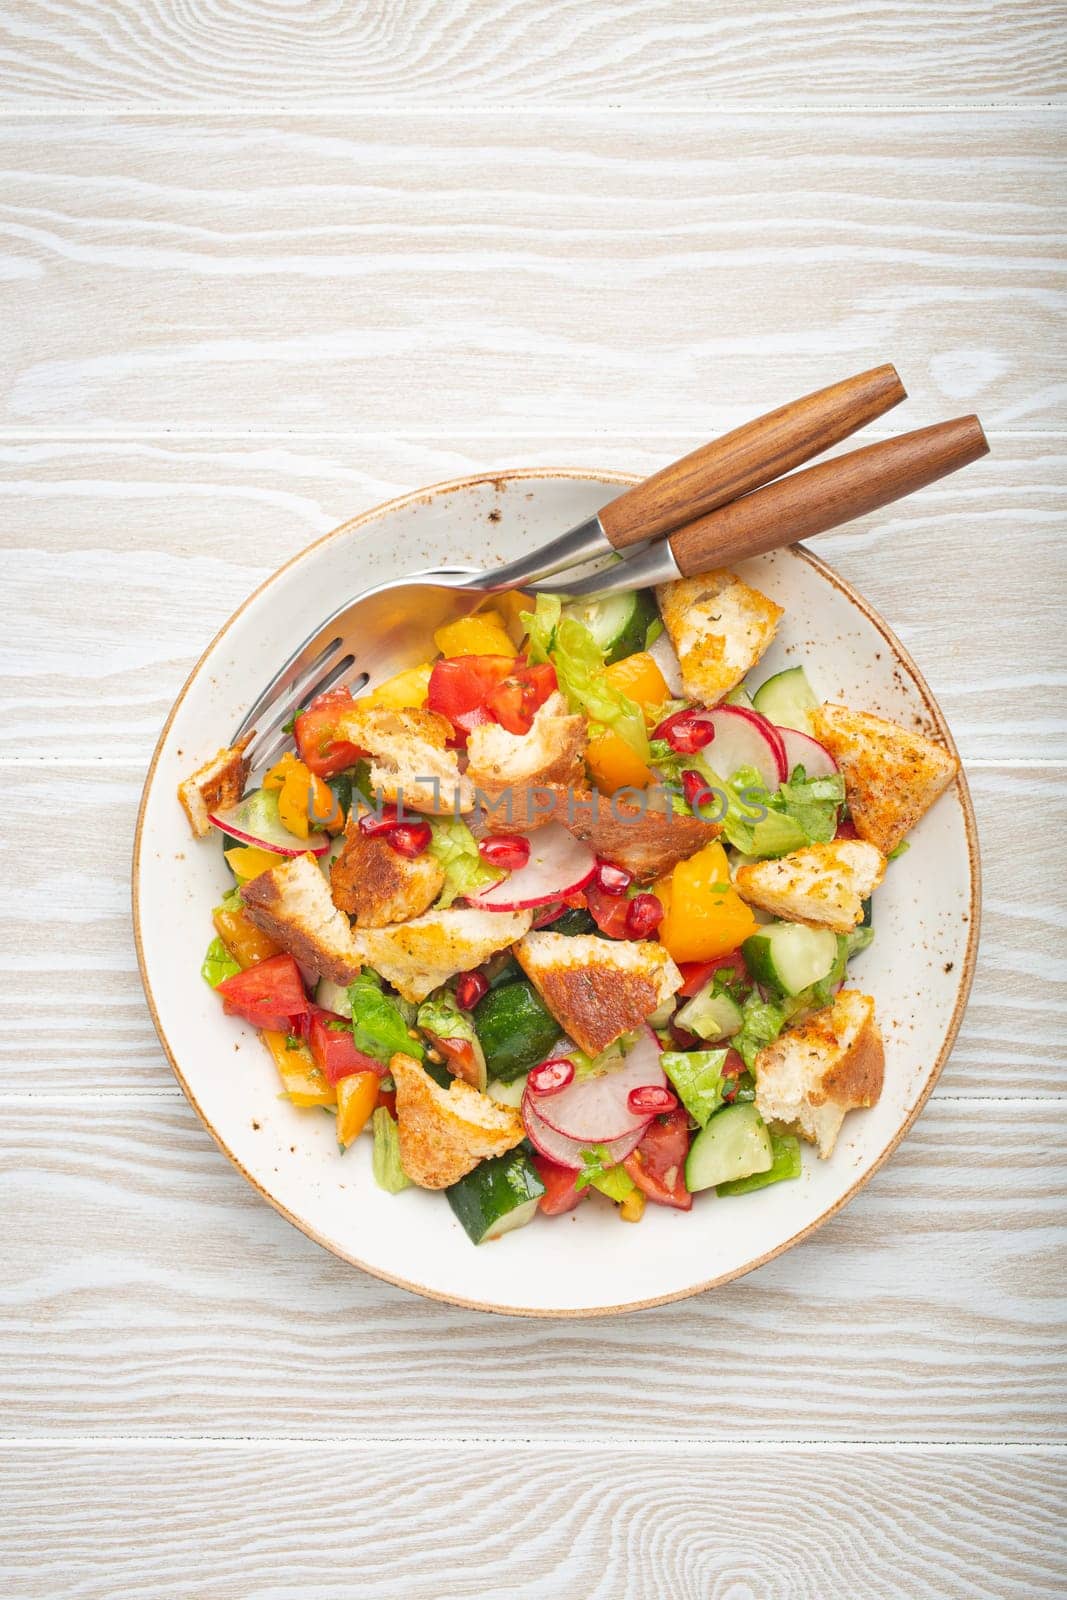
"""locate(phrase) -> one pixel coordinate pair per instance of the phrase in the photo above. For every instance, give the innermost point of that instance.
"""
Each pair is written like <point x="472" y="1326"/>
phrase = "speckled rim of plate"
<point x="518" y="475"/>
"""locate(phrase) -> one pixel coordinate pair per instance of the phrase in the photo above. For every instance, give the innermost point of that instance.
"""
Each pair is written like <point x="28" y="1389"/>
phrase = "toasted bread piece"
<point x="813" y="1075"/>
<point x="409" y="760"/>
<point x="215" y="786"/>
<point x="292" y="904"/>
<point x="508" y="768"/>
<point x="892" y="774"/>
<point x="824" y="884"/>
<point x="419" y="955"/>
<point x="598" y="989"/>
<point x="648" y="840"/>
<point x="375" y="885"/>
<point x="444" y="1133"/>
<point x="719" y="628"/>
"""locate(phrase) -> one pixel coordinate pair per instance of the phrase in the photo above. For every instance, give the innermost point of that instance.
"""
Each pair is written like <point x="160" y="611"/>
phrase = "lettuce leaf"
<point x="218" y="964"/>
<point x="579" y="664"/>
<point x="455" y="848"/>
<point x="697" y="1076"/>
<point x="379" y="1026"/>
<point x="385" y="1156"/>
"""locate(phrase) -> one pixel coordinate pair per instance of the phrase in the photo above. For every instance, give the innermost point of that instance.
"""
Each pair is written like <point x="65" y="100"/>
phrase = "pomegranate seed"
<point x="643" y="915"/>
<point x="409" y="838"/>
<point x="612" y="879"/>
<point x="652" y="1098"/>
<point x="551" y="1076"/>
<point x="686" y="731"/>
<point x="470" y="988"/>
<point x="508" y="850"/>
<point x="696" y="789"/>
<point x="372" y="824"/>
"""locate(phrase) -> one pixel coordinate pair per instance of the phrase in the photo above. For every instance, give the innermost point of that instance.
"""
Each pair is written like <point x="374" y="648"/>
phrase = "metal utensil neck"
<point x="654" y="564"/>
<point x="585" y="542"/>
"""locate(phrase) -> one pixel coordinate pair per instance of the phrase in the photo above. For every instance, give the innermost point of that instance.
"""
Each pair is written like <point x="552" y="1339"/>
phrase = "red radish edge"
<point x="801" y="750"/>
<point x="559" y="865"/>
<point x="317" y="843"/>
<point x="727" y="720"/>
<point x="568" y="1152"/>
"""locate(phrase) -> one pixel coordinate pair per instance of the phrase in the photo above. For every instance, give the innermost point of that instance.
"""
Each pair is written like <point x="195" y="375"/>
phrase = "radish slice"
<point x="745" y="739"/>
<point x="255" y="820"/>
<point x="801" y="750"/>
<point x="568" y="1152"/>
<point x="597" y="1110"/>
<point x="559" y="865"/>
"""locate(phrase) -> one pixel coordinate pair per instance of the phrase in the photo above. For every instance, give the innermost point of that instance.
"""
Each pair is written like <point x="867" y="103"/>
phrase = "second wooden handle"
<point x="750" y="455"/>
<point x="823" y="497"/>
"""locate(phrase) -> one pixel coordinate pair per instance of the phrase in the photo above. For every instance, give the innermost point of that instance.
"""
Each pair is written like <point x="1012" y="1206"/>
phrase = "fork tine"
<point x="290" y="683"/>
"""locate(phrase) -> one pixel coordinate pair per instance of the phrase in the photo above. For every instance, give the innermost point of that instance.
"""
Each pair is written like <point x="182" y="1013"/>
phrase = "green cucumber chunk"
<point x="789" y="958"/>
<point x="618" y="622"/>
<point x="787" y="700"/>
<point x="516" y="1029"/>
<point x="333" y="997"/>
<point x="785" y="1163"/>
<point x="500" y="1194"/>
<point x="712" y="1016"/>
<point x="740" y="697"/>
<point x="735" y="1144"/>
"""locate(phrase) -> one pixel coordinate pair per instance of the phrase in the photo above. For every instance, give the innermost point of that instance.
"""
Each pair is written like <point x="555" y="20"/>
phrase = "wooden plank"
<point x="665" y="53"/>
<point x="150" y="1292"/>
<point x="536" y="1521"/>
<point x="184" y="530"/>
<point x="543" y="271"/>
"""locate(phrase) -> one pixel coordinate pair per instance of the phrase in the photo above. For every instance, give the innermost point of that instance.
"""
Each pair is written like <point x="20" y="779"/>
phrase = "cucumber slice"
<point x="740" y="697"/>
<point x="507" y="1094"/>
<point x="735" y="1144"/>
<point x="618" y="622"/>
<point x="516" y="1029"/>
<point x="497" y="1196"/>
<point x="333" y="997"/>
<point x="787" y="700"/>
<point x="712" y="1016"/>
<point x="789" y="958"/>
<point x="786" y="1164"/>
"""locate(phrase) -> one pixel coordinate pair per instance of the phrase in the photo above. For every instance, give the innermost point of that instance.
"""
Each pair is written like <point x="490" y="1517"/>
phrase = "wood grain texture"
<point x="325" y="272"/>
<point x="970" y="573"/>
<point x="149" y="1291"/>
<point x="148" y="52"/>
<point x="534" y="1522"/>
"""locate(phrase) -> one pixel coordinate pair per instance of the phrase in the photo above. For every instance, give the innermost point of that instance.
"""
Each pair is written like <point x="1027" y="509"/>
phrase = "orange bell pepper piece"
<point x="357" y="1096"/>
<point x="639" y="677"/>
<point x="614" y="765"/>
<point x="302" y="795"/>
<point x="246" y="943"/>
<point x="704" y="916"/>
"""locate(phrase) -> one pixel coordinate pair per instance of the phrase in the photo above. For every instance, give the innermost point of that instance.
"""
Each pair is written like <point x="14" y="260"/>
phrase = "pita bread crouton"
<point x="418" y="956"/>
<point x="375" y="885"/>
<point x="813" y="1075"/>
<point x="597" y="989"/>
<point x="648" y="840"/>
<point x="409" y="758"/>
<point x="719" y="628"/>
<point x="892" y="774"/>
<point x="824" y="884"/>
<point x="216" y="786"/>
<point x="292" y="904"/>
<point x="445" y="1133"/>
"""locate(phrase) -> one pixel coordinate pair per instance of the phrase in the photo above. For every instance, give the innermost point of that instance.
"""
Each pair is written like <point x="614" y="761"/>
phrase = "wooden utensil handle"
<point x="823" y="497"/>
<point x="750" y="455"/>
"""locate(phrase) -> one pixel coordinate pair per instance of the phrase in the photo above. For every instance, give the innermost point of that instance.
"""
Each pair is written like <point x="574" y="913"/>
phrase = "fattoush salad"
<point x="570" y="910"/>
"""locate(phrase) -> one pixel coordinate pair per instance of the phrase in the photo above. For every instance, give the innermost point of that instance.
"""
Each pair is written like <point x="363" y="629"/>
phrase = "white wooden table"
<point x="261" y="266"/>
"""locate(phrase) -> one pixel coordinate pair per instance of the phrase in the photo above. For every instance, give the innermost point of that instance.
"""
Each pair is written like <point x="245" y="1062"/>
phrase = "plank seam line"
<point x="297" y="1443"/>
<point x="187" y="109"/>
<point x="403" y="432"/>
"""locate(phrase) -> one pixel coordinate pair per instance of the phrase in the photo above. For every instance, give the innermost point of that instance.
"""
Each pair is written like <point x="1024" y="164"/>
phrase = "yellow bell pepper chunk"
<point x="357" y="1096"/>
<point x="405" y="692"/>
<point x="483" y="635"/>
<point x="511" y="606"/>
<point x="632" y="1208"/>
<point x="247" y="944"/>
<point x="704" y="916"/>
<point x="639" y="677"/>
<point x="248" y="861"/>
<point x="275" y="778"/>
<point x="614" y="765"/>
<point x="300" y="795"/>
<point x="304" y="1082"/>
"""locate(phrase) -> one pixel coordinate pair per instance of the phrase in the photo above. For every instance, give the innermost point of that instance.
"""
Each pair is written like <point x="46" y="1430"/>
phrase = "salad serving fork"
<point x="733" y="498"/>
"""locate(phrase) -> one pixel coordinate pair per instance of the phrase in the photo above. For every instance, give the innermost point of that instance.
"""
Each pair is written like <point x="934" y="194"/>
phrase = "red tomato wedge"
<point x="560" y="1194"/>
<point x="460" y="686"/>
<point x="330" y="1041"/>
<point x="515" y="701"/>
<point x="610" y="912"/>
<point x="697" y="973"/>
<point x="268" y="995"/>
<point x="657" y="1166"/>
<point x="314" y="732"/>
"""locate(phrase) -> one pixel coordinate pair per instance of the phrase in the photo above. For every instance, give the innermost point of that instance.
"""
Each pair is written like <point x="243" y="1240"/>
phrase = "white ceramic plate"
<point x="918" y="969"/>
